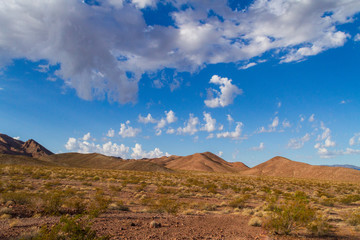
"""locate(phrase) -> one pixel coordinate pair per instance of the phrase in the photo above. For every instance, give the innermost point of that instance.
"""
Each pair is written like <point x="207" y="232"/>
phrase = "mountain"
<point x="205" y="162"/>
<point x="30" y="148"/>
<point x="283" y="167"/>
<point x="345" y="166"/>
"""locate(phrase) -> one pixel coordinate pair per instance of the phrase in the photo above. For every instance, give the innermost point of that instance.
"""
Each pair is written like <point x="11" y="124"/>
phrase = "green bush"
<point x="354" y="218"/>
<point x="288" y="216"/>
<point x="69" y="228"/>
<point x="239" y="202"/>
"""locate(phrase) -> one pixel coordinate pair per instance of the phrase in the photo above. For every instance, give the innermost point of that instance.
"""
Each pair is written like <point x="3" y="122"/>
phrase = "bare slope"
<point x="283" y="167"/>
<point x="205" y="162"/>
<point x="96" y="160"/>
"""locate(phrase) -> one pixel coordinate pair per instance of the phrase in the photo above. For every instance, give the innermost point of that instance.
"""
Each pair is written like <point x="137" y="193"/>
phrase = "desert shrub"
<point x="119" y="205"/>
<point x="21" y="198"/>
<point x="319" y="226"/>
<point x="239" y="202"/>
<point x="255" y="222"/>
<point x="52" y="203"/>
<point x="329" y="202"/>
<point x="115" y="188"/>
<point x="98" y="205"/>
<point x="165" y="205"/>
<point x="289" y="215"/>
<point x="349" y="199"/>
<point x="76" y="205"/>
<point x="162" y="190"/>
<point x="353" y="218"/>
<point x="69" y="228"/>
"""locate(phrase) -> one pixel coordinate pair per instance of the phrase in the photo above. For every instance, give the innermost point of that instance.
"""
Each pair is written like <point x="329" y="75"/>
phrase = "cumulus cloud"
<point x="355" y="140"/>
<point x="138" y="152"/>
<point x="258" y="148"/>
<point x="98" y="60"/>
<point x="126" y="131"/>
<point x="147" y="119"/>
<point x="112" y="149"/>
<point x="297" y="143"/>
<point x="87" y="137"/>
<point x="325" y="153"/>
<point x="357" y="37"/>
<point x="233" y="135"/>
<point x="324" y="141"/>
<point x="227" y="93"/>
<point x="110" y="133"/>
<point x="16" y="138"/>
<point x="170" y="116"/>
<point x="271" y="128"/>
<point x="190" y="126"/>
<point x="210" y="123"/>
<point x="220" y="153"/>
<point x="109" y="148"/>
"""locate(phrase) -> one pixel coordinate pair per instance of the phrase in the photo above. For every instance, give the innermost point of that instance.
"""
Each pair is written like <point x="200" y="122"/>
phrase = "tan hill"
<point x="96" y="160"/>
<point x="205" y="162"/>
<point x="31" y="148"/>
<point x="283" y="167"/>
<point x="9" y="159"/>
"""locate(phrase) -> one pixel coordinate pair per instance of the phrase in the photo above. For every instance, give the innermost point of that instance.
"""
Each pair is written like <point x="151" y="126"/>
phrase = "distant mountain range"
<point x="345" y="166"/>
<point x="14" y="151"/>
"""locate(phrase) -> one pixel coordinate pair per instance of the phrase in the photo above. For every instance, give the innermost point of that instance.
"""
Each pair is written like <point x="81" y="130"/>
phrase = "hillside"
<point x="283" y="167"/>
<point x="205" y="162"/>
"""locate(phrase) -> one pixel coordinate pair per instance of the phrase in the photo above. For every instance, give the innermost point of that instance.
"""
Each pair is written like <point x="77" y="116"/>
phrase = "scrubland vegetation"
<point x="75" y="197"/>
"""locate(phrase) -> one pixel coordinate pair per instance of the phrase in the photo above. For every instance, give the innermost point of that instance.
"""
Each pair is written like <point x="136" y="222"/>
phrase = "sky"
<point x="246" y="80"/>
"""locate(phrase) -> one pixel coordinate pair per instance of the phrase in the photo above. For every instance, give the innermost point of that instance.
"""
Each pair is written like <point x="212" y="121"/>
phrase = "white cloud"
<point x="312" y="118"/>
<point x="249" y="65"/>
<point x="355" y="140"/>
<point x="144" y="3"/>
<point x="138" y="152"/>
<point x="16" y="138"/>
<point x="190" y="126"/>
<point x="324" y="141"/>
<point x="170" y="116"/>
<point x="357" y="37"/>
<point x="158" y="132"/>
<point x="302" y="118"/>
<point x="227" y="93"/>
<point x="210" y="136"/>
<point x="210" y="123"/>
<point x="286" y="124"/>
<point x="170" y="131"/>
<point x="229" y="118"/>
<point x="1" y="88"/>
<point x="233" y="135"/>
<point x="95" y="55"/>
<point x="221" y="127"/>
<point x="112" y="149"/>
<point x="87" y="137"/>
<point x="258" y="148"/>
<point x="325" y="153"/>
<point x="128" y="131"/>
<point x="297" y="143"/>
<point x="220" y="153"/>
<point x="275" y="122"/>
<point x="110" y="133"/>
<point x="147" y="119"/>
<point x="162" y="123"/>
<point x="279" y="104"/>
<point x="272" y="127"/>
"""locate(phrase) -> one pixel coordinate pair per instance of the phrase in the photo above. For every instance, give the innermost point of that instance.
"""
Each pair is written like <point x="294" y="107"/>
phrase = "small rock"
<point x="154" y="224"/>
<point x="132" y="224"/>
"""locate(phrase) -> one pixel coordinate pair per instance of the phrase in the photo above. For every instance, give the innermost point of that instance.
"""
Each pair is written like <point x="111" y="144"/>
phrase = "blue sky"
<point x="247" y="80"/>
